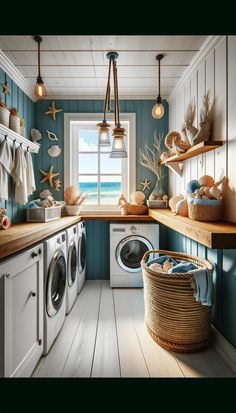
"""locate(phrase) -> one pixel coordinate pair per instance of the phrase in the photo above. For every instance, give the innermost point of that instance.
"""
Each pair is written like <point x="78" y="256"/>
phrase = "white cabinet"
<point x="21" y="313"/>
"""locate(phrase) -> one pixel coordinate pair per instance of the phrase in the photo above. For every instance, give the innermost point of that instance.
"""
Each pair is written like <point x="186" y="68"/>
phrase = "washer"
<point x="128" y="243"/>
<point x="72" y="267"/>
<point x="54" y="287"/>
<point x="81" y="254"/>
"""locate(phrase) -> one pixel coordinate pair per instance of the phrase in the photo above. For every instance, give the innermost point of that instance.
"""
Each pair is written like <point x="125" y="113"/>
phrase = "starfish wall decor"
<point x="5" y="88"/>
<point x="48" y="176"/>
<point x="52" y="110"/>
<point x="145" y="184"/>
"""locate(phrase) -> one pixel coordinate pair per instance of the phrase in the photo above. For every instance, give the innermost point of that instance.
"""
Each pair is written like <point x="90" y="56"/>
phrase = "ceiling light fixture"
<point x="39" y="90"/>
<point x="158" y="109"/>
<point x="118" y="133"/>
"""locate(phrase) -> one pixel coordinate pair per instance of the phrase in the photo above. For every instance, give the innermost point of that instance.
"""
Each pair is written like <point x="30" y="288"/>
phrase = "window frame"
<point x="70" y="172"/>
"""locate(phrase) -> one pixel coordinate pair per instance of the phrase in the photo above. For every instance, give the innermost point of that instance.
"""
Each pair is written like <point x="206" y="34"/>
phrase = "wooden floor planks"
<point x="104" y="336"/>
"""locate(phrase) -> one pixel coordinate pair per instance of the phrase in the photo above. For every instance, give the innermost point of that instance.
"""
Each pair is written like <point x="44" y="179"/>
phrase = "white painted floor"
<point x="104" y="336"/>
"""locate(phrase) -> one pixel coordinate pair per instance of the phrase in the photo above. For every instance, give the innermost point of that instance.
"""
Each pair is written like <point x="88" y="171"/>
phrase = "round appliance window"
<point x="56" y="285"/>
<point x="72" y="264"/>
<point x="130" y="251"/>
<point x="82" y="252"/>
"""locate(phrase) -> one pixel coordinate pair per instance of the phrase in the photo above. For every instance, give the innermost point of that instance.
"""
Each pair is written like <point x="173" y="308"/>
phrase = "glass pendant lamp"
<point x="39" y="90"/>
<point x="158" y="109"/>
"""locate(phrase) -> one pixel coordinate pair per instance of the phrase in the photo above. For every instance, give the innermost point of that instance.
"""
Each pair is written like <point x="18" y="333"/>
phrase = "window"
<point x="89" y="167"/>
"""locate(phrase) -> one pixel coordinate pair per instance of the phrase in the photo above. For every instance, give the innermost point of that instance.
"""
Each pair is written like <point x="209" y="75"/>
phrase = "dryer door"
<point x="72" y="263"/>
<point x="56" y="283"/>
<point x="82" y="251"/>
<point x="130" y="250"/>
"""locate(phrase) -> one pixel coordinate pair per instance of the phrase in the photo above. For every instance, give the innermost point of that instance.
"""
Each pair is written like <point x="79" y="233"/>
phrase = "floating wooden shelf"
<point x="194" y="151"/>
<point x="4" y="131"/>
<point x="216" y="235"/>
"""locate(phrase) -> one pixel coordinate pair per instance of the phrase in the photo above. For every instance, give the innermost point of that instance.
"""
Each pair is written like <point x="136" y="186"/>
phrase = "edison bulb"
<point x="158" y="111"/>
<point x="40" y="90"/>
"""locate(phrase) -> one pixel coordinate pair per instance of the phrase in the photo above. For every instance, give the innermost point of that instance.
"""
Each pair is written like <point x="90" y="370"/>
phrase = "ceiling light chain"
<point x="39" y="90"/>
<point x="158" y="109"/>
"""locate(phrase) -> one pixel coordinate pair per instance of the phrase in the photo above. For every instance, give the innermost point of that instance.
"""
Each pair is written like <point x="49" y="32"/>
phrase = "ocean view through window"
<point x="91" y="170"/>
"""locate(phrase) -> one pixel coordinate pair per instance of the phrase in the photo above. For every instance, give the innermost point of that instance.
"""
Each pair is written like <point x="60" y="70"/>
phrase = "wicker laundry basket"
<point x="173" y="317"/>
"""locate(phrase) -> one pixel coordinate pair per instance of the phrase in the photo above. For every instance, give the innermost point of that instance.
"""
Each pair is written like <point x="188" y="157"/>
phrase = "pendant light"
<point x="118" y="133"/>
<point x="104" y="132"/>
<point x="39" y="90"/>
<point x="158" y="109"/>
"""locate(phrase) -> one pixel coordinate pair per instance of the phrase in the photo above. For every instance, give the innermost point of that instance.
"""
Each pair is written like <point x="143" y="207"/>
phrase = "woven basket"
<point x="200" y="210"/>
<point x="173" y="317"/>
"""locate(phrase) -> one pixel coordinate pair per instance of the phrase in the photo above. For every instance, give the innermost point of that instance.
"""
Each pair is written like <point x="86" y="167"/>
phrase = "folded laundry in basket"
<point x="183" y="266"/>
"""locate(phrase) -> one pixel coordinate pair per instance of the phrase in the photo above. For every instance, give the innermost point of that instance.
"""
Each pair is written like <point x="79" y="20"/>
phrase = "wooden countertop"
<point x="21" y="236"/>
<point x="216" y="235"/>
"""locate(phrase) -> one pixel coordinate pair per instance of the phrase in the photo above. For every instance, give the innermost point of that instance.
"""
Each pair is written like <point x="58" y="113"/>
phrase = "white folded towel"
<point x="6" y="166"/>
<point x="29" y="173"/>
<point x="21" y="193"/>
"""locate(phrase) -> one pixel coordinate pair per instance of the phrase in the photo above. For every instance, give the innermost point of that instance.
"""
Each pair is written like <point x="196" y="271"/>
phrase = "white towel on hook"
<point x="29" y="173"/>
<point x="20" y="177"/>
<point x="5" y="168"/>
<point x="13" y="160"/>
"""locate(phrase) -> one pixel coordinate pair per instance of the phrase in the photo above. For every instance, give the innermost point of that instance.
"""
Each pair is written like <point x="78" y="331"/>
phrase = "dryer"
<point x="72" y="266"/>
<point x="128" y="243"/>
<point x="81" y="254"/>
<point x="54" y="287"/>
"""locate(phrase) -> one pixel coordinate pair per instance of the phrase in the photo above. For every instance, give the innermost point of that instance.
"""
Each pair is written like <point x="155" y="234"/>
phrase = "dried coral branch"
<point x="150" y="158"/>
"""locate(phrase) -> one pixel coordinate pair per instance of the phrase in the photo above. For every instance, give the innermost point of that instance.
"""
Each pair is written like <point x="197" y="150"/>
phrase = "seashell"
<point x="138" y="197"/>
<point x="204" y="197"/>
<point x="35" y="135"/>
<point x="221" y="181"/>
<point x="156" y="267"/>
<point x="181" y="146"/>
<point x="171" y="137"/>
<point x="173" y="201"/>
<point x="207" y="193"/>
<point x="193" y="185"/>
<point x="182" y="208"/>
<point x="52" y="136"/>
<point x="54" y="151"/>
<point x="152" y="197"/>
<point x="206" y="180"/>
<point x="165" y="155"/>
<point x="215" y="192"/>
<point x="165" y="197"/>
<point x="45" y="193"/>
<point x="199" y="191"/>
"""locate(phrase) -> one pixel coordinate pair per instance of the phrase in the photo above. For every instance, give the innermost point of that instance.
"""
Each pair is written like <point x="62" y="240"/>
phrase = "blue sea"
<point x="110" y="192"/>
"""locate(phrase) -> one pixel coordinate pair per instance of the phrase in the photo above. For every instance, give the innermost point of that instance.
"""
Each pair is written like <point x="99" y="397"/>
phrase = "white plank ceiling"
<point x="76" y="66"/>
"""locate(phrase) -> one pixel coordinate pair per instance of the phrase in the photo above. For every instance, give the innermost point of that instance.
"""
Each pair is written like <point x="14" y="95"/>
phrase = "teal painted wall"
<point x="26" y="108"/>
<point x="224" y="308"/>
<point x="146" y="125"/>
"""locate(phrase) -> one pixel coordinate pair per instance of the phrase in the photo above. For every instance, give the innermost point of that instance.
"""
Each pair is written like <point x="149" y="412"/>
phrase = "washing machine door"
<point x="130" y="250"/>
<point x="56" y="283"/>
<point x="72" y="263"/>
<point x="82" y="251"/>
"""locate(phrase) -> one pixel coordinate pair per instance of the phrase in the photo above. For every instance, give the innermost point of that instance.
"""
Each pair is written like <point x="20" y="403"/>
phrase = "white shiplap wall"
<point x="215" y="73"/>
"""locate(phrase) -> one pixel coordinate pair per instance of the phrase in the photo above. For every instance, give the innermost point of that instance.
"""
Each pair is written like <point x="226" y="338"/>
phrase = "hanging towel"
<point x="5" y="168"/>
<point x="13" y="161"/>
<point x="20" y="177"/>
<point x="29" y="173"/>
<point x="203" y="282"/>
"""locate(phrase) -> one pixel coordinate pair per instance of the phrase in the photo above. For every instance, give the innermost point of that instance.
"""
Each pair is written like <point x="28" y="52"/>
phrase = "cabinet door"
<point x="23" y="288"/>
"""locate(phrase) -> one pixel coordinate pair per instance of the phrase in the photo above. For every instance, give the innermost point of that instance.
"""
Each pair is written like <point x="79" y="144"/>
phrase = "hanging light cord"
<point x="159" y="78"/>
<point x="39" y="74"/>
<point x="117" y="114"/>
<point x="107" y="105"/>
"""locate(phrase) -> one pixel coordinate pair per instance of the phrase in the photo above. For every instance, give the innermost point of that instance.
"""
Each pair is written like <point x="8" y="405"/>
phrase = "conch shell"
<point x="173" y="141"/>
<point x="173" y="201"/>
<point x="182" y="208"/>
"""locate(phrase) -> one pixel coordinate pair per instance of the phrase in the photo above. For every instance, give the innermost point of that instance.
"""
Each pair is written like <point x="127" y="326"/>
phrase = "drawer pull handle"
<point x="34" y="254"/>
<point x="39" y="251"/>
<point x="33" y="294"/>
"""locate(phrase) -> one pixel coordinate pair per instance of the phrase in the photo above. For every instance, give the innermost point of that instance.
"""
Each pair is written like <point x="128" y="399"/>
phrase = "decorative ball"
<point x="193" y="185"/>
<point x="138" y="197"/>
<point x="206" y="180"/>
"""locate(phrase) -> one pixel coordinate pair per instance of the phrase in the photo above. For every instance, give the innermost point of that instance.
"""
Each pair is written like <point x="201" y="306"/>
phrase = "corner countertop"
<point x="20" y="236"/>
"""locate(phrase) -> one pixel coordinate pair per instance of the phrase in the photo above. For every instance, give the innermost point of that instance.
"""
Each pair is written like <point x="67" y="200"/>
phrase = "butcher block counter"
<point x="21" y="236"/>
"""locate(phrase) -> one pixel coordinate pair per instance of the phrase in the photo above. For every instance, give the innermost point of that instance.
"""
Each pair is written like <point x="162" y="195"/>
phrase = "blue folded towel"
<point x="162" y="259"/>
<point x="183" y="267"/>
<point x="203" y="281"/>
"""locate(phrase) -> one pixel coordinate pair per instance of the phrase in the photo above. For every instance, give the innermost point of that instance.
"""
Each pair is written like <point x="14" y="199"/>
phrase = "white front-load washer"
<point x="81" y="254"/>
<point x="72" y="266"/>
<point x="54" y="287"/>
<point x="128" y="243"/>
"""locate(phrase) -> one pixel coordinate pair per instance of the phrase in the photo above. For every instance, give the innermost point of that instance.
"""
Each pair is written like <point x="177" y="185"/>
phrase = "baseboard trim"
<point x="224" y="349"/>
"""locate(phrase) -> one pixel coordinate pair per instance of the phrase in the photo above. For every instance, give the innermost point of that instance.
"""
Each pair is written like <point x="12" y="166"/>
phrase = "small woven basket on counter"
<point x="205" y="210"/>
<point x="173" y="317"/>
